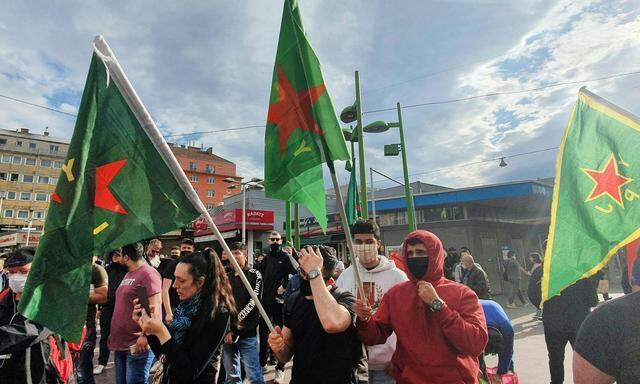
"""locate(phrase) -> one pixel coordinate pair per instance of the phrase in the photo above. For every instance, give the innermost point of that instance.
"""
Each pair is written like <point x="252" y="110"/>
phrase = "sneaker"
<point x="279" y="377"/>
<point x="98" y="369"/>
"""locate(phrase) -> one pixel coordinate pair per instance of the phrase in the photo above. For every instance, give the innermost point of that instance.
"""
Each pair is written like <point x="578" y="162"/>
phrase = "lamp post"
<point x="253" y="183"/>
<point x="392" y="150"/>
<point x="348" y="115"/>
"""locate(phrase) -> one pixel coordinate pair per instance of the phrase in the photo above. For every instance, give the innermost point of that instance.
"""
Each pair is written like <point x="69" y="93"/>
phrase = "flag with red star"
<point x="115" y="188"/>
<point x="594" y="211"/>
<point x="302" y="129"/>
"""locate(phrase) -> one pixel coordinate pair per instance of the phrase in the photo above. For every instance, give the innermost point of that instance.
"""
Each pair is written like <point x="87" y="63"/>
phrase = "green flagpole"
<point x="296" y="217"/>
<point x="287" y="225"/>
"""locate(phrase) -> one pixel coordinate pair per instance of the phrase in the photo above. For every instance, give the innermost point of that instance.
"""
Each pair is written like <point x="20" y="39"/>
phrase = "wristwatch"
<point x="437" y="304"/>
<point x="314" y="273"/>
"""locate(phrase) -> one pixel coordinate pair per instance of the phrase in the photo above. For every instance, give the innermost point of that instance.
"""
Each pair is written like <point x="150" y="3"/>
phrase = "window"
<point x="211" y="180"/>
<point x="54" y="180"/>
<point x="17" y="160"/>
<point x="27" y="178"/>
<point x="26" y="196"/>
<point x="43" y="179"/>
<point x="41" y="196"/>
<point x="8" y="213"/>
<point x="211" y="193"/>
<point x="32" y="147"/>
<point x="23" y="214"/>
<point x="6" y="158"/>
<point x="210" y="169"/>
<point x="194" y="178"/>
<point x="19" y="143"/>
<point x="30" y="161"/>
<point x="3" y="175"/>
<point x="54" y="149"/>
<point x="45" y="163"/>
<point x="210" y="206"/>
<point x="3" y="141"/>
<point x="57" y="164"/>
<point x="193" y="167"/>
<point x="11" y="195"/>
<point x="39" y="215"/>
<point x="14" y="177"/>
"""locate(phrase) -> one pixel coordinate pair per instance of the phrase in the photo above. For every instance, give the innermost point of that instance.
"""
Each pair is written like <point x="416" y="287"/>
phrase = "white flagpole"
<point x="117" y="75"/>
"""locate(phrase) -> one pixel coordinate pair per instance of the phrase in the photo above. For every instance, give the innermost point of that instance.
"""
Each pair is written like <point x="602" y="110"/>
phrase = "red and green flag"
<point x="596" y="199"/>
<point x="118" y="186"/>
<point x="302" y="129"/>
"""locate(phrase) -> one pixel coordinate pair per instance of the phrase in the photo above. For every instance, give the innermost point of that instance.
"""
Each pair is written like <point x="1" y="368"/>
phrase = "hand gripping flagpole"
<point x="347" y="232"/>
<point x="117" y="75"/>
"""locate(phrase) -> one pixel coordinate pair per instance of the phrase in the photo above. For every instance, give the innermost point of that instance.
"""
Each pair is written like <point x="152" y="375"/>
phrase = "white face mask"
<point x="155" y="262"/>
<point x="367" y="253"/>
<point x="16" y="282"/>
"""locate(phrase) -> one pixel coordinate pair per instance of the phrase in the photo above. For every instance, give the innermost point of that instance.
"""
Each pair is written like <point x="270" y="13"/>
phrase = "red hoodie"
<point x="433" y="347"/>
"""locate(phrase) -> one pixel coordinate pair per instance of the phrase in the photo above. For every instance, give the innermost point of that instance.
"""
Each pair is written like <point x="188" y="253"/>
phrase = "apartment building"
<point x="30" y="164"/>
<point x="207" y="173"/>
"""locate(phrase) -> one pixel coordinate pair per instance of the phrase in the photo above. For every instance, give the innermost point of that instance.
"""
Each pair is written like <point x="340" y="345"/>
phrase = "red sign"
<point x="256" y="220"/>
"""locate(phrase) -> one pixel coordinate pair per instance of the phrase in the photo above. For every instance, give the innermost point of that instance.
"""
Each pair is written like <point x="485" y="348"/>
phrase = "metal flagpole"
<point x="117" y="75"/>
<point x="347" y="232"/>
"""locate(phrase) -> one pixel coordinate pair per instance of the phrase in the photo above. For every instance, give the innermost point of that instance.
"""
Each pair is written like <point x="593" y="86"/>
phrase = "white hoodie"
<point x="376" y="282"/>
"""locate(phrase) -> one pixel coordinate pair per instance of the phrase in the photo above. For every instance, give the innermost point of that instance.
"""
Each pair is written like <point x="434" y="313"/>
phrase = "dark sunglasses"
<point x="274" y="239"/>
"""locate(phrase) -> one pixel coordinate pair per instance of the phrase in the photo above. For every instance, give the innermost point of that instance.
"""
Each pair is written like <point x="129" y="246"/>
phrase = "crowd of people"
<point x="189" y="318"/>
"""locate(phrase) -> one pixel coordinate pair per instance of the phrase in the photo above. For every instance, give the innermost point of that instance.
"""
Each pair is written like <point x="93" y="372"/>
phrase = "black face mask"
<point x="418" y="266"/>
<point x="305" y="287"/>
<point x="275" y="247"/>
<point x="227" y="265"/>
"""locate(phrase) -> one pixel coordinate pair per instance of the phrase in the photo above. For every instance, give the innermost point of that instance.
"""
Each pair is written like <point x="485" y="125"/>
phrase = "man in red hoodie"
<point x="439" y="323"/>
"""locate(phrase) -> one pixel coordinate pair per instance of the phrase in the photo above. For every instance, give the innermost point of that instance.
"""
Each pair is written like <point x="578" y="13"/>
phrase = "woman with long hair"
<point x="200" y="321"/>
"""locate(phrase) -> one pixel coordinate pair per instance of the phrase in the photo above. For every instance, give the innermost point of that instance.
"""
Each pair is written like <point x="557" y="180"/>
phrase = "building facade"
<point x="30" y="165"/>
<point x="207" y="173"/>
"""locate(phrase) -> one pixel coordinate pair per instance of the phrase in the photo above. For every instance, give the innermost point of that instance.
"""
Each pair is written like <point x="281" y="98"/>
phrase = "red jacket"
<point x="433" y="347"/>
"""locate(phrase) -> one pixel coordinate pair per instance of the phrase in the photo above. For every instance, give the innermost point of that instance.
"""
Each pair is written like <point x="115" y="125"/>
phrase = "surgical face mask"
<point x="16" y="282"/>
<point x="418" y="266"/>
<point x="155" y="262"/>
<point x="367" y="253"/>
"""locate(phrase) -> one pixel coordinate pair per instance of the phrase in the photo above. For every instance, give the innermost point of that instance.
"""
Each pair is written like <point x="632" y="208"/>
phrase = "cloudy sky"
<point x="204" y="65"/>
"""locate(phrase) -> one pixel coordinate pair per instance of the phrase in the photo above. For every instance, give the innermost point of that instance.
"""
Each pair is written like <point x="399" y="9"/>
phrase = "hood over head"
<point x="435" y="252"/>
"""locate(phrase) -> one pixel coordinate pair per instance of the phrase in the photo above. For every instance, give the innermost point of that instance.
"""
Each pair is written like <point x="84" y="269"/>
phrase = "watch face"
<point x="313" y="274"/>
<point x="437" y="304"/>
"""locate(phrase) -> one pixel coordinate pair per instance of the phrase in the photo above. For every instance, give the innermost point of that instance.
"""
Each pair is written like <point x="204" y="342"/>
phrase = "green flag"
<point x="353" y="200"/>
<point x="116" y="187"/>
<point x="302" y="129"/>
<point x="596" y="199"/>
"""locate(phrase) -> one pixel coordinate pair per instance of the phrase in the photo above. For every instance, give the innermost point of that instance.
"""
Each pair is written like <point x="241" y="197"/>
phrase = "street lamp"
<point x="349" y="115"/>
<point x="30" y="221"/>
<point x="392" y="150"/>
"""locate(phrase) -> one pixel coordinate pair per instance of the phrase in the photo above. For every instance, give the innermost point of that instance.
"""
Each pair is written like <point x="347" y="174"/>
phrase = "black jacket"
<point x="477" y="280"/>
<point x="275" y="268"/>
<point x="192" y="361"/>
<point x="115" y="274"/>
<point x="567" y="311"/>
<point x="534" y="290"/>
<point x="246" y="323"/>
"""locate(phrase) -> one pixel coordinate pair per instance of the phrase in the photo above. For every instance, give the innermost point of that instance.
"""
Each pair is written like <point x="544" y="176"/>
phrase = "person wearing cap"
<point x="318" y="327"/>
<point x="607" y="348"/>
<point x="22" y="340"/>
<point x="440" y="326"/>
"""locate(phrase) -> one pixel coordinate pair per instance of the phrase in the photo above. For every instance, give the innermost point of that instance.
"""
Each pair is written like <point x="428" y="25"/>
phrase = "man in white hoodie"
<point x="378" y="275"/>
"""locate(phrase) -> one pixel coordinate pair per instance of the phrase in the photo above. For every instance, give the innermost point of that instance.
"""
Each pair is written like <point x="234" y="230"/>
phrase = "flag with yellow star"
<point x="596" y="199"/>
<point x="115" y="188"/>
<point x="302" y="129"/>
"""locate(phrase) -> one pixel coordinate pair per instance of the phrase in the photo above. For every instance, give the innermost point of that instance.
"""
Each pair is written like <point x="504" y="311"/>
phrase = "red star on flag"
<point x="293" y="109"/>
<point x="607" y="182"/>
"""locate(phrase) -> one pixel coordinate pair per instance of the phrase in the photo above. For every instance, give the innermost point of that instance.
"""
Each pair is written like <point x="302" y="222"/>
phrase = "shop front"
<point x="12" y="241"/>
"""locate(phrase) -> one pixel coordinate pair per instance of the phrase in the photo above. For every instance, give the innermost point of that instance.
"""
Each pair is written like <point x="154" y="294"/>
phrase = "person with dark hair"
<point x="175" y="252"/>
<point x="378" y="274"/>
<point x="169" y="296"/>
<point x="512" y="271"/>
<point x="189" y="344"/>
<point x="451" y="260"/>
<point x="241" y="341"/>
<point x="534" y="290"/>
<point x="318" y="325"/>
<point x="498" y="320"/>
<point x="440" y="325"/>
<point x="275" y="269"/>
<point x="25" y="346"/>
<point x="132" y="356"/>
<point x="115" y="273"/>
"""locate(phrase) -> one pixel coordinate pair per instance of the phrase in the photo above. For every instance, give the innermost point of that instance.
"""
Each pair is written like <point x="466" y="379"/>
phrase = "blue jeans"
<point x="380" y="377"/>
<point x="133" y="369"/>
<point x="247" y="351"/>
<point x="84" y="366"/>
